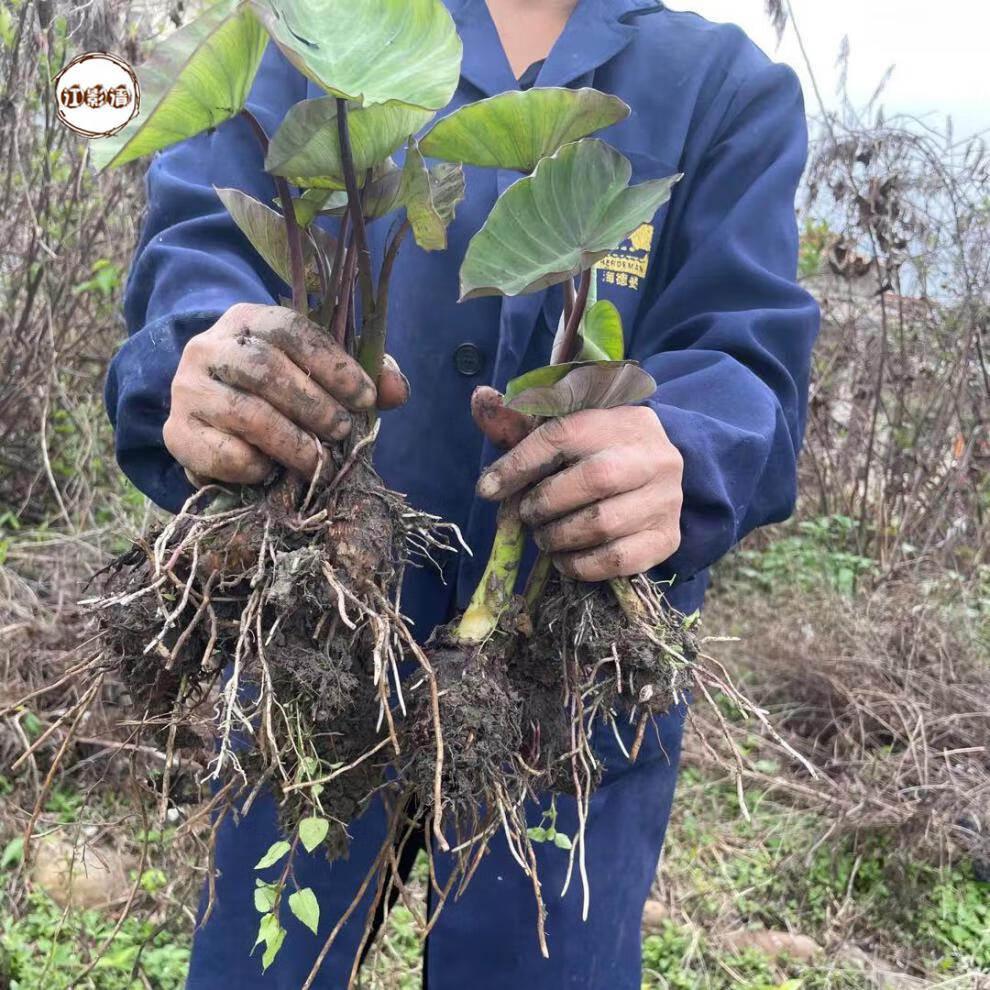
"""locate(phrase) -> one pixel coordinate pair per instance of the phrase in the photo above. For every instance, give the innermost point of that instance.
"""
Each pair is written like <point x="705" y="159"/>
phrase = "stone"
<point x="655" y="917"/>
<point x="87" y="876"/>
<point x="800" y="948"/>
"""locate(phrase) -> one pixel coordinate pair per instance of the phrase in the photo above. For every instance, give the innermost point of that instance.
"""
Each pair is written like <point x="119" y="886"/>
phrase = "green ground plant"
<point x="49" y="948"/>
<point x="807" y="554"/>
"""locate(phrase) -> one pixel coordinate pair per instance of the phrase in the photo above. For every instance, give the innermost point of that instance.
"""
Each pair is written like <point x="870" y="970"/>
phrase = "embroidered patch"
<point x="628" y="265"/>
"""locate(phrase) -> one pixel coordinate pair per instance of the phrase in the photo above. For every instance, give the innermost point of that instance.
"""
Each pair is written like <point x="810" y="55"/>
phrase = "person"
<point x="712" y="309"/>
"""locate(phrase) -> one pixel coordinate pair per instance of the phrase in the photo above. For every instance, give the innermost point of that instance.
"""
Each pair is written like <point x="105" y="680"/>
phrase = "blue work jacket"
<point x="707" y="290"/>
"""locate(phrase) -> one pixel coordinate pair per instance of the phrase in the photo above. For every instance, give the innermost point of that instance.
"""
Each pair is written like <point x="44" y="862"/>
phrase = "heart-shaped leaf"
<point x="515" y="130"/>
<point x="268" y="929"/>
<point x="272" y="948"/>
<point x="312" y="831"/>
<point x="304" y="905"/>
<point x="573" y="210"/>
<point x="277" y="851"/>
<point x="264" y="896"/>
<point x="600" y="385"/>
<point x="306" y="148"/>
<point x="431" y="198"/>
<point x="196" y="79"/>
<point x="374" y="51"/>
<point x="265" y="229"/>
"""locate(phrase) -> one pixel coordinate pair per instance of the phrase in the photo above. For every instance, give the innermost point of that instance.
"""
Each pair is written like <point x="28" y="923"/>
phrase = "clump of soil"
<point x="289" y="592"/>
<point x="638" y="663"/>
<point x="480" y="721"/>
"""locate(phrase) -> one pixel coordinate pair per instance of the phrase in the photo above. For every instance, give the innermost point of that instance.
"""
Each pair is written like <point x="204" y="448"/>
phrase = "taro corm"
<point x="271" y="614"/>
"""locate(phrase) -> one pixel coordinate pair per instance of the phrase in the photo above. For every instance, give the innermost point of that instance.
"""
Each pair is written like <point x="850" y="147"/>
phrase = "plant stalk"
<point x="334" y="295"/>
<point x="297" y="262"/>
<point x="568" y="299"/>
<point x="628" y="600"/>
<point x="357" y="212"/>
<point x="537" y="580"/>
<point x="497" y="586"/>
<point x="568" y="345"/>
<point x="344" y="296"/>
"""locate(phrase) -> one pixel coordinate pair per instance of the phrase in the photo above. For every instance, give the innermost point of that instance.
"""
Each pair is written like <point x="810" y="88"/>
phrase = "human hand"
<point x="607" y="495"/>
<point x="257" y="386"/>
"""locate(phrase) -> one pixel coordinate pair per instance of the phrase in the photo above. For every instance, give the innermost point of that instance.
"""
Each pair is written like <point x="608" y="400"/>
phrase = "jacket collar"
<point x="596" y="32"/>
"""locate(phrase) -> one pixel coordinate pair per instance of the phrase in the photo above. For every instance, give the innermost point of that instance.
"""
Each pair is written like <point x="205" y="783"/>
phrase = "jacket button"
<point x="469" y="360"/>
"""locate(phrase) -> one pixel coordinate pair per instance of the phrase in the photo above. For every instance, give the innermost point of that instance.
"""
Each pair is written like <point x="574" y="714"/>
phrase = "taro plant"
<point x="292" y="586"/>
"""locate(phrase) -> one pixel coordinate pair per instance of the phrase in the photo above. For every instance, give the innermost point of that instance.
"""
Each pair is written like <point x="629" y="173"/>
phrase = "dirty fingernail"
<point x="490" y="484"/>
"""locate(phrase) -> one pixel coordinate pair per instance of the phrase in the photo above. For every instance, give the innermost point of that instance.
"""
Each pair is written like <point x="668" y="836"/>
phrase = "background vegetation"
<point x="864" y="624"/>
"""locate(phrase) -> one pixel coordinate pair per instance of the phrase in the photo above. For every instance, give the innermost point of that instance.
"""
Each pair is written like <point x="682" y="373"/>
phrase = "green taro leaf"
<point x="304" y="905"/>
<point x="312" y="831"/>
<point x="370" y="51"/>
<point x="380" y="196"/>
<point x="277" y="851"/>
<point x="431" y="198"/>
<point x="599" y="337"/>
<point x="313" y="203"/>
<point x="599" y="385"/>
<point x="548" y="375"/>
<point x="601" y="332"/>
<point x="576" y="208"/>
<point x="306" y="148"/>
<point x="447" y="182"/>
<point x="515" y="130"/>
<point x="196" y="79"/>
<point x="265" y="229"/>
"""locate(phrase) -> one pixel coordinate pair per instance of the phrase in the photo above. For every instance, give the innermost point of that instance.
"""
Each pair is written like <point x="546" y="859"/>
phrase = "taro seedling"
<point x="286" y="594"/>
<point x="514" y="706"/>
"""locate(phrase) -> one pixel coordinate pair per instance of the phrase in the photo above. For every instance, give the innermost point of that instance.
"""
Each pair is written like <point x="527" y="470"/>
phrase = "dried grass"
<point x="888" y="695"/>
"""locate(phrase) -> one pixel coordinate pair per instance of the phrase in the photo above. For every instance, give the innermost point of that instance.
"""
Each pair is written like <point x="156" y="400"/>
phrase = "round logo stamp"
<point x="97" y="94"/>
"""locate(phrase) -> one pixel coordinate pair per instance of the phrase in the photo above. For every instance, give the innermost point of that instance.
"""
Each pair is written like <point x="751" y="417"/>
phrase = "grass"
<point x="781" y="871"/>
<point x="49" y="950"/>
<point x="721" y="873"/>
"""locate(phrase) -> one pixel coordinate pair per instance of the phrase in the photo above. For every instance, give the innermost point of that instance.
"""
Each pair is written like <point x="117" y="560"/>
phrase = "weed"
<point x="817" y="551"/>
<point x="47" y="950"/>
